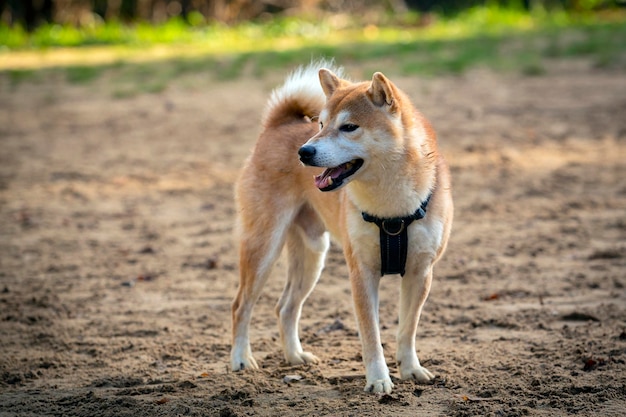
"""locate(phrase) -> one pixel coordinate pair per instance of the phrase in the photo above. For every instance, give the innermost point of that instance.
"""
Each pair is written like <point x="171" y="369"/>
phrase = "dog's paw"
<point x="417" y="373"/>
<point x="240" y="363"/>
<point x="380" y="385"/>
<point x="302" y="358"/>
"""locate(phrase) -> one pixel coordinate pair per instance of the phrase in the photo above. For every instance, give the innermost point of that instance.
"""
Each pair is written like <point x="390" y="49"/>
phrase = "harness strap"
<point x="394" y="239"/>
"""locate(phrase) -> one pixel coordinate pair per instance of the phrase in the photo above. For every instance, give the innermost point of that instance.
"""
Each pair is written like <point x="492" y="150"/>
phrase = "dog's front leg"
<point x="414" y="291"/>
<point x="365" y="294"/>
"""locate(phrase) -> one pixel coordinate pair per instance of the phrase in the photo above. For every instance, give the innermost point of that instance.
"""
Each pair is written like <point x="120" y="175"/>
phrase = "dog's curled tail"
<point x="300" y="96"/>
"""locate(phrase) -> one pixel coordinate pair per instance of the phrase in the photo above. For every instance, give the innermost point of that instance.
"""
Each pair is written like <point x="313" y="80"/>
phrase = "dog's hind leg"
<point x="262" y="238"/>
<point x="307" y="244"/>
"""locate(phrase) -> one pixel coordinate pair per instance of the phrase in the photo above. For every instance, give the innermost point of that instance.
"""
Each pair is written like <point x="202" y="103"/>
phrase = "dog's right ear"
<point x="329" y="81"/>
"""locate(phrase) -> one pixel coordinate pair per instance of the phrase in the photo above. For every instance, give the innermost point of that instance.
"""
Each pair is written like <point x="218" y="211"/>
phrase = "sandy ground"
<point x="118" y="264"/>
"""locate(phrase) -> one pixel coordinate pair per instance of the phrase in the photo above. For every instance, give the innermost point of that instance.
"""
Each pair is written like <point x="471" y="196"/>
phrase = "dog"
<point x="357" y="161"/>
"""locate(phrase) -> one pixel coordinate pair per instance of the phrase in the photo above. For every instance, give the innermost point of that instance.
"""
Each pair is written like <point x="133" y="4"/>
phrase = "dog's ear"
<point x="381" y="92"/>
<point x="329" y="81"/>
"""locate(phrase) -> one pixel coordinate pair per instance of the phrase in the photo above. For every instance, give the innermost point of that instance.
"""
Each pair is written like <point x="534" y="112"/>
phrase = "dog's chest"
<point x="424" y="237"/>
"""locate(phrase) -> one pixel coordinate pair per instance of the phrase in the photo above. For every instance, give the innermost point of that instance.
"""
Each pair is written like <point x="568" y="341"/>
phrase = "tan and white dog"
<point x="378" y="155"/>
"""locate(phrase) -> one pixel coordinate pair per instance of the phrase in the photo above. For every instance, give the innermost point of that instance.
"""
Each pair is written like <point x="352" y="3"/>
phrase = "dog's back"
<point x="273" y="171"/>
<point x="271" y="196"/>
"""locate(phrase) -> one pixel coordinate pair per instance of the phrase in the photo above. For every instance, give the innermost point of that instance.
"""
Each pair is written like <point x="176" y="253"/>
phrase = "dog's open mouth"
<point x="333" y="178"/>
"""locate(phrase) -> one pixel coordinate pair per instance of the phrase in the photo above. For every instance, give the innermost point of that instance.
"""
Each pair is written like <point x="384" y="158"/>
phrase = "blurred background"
<point x="244" y="37"/>
<point x="32" y="13"/>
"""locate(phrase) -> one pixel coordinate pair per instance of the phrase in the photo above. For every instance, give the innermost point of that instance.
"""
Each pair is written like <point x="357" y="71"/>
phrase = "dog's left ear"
<point x="381" y="92"/>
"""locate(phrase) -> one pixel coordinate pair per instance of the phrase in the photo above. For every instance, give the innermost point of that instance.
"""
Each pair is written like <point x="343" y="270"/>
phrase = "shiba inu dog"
<point x="359" y="162"/>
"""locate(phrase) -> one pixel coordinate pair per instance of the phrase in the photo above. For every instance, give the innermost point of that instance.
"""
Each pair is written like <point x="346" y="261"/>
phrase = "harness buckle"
<point x="397" y="224"/>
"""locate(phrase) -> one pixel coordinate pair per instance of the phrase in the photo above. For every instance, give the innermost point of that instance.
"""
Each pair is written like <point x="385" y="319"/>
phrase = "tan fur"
<point x="279" y="204"/>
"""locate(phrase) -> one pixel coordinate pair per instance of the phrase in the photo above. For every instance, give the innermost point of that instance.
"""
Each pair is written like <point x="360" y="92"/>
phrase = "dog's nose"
<point x="307" y="152"/>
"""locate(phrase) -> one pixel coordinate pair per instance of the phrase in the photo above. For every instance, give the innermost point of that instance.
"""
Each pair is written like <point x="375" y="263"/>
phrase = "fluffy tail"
<point x="300" y="96"/>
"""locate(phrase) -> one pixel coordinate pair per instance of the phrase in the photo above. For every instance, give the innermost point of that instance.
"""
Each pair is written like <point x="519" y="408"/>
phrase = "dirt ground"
<point x="118" y="264"/>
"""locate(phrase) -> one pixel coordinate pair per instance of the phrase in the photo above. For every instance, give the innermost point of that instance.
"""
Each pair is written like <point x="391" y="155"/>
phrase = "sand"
<point x="118" y="263"/>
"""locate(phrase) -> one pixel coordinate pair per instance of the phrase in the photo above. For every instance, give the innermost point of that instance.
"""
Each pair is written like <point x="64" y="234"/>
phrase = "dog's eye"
<point x="348" y="127"/>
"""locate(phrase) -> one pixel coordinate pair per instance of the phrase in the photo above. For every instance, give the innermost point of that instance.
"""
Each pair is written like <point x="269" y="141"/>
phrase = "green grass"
<point x="145" y="58"/>
<point x="82" y="74"/>
<point x="290" y="32"/>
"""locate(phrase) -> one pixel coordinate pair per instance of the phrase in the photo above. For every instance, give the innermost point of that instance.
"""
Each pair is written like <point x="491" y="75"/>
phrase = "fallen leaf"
<point x="591" y="363"/>
<point x="145" y="278"/>
<point x="162" y="401"/>
<point x="204" y="375"/>
<point x="211" y="263"/>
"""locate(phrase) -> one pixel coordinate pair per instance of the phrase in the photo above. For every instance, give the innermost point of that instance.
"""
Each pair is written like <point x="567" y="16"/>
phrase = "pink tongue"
<point x="336" y="172"/>
<point x="322" y="180"/>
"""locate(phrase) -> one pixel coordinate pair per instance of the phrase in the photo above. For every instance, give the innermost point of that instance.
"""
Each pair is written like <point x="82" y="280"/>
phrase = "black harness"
<point x="394" y="239"/>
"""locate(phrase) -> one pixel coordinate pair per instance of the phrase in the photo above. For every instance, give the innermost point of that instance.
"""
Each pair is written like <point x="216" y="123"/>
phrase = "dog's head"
<point x="361" y="126"/>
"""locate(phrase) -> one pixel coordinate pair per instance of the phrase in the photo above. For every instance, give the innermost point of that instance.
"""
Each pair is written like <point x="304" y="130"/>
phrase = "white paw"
<point x="380" y="385"/>
<point x="241" y="362"/>
<point x="301" y="358"/>
<point x="417" y="373"/>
